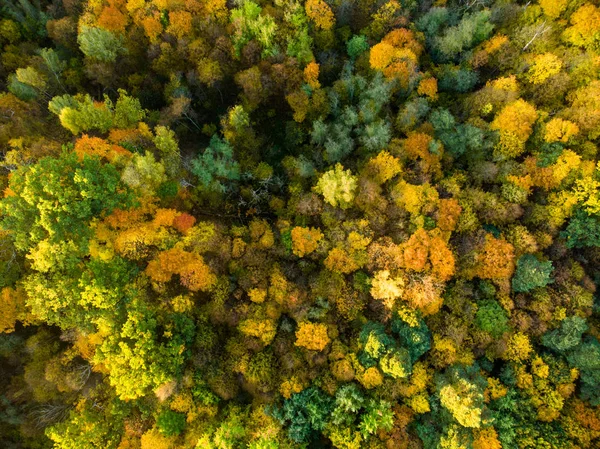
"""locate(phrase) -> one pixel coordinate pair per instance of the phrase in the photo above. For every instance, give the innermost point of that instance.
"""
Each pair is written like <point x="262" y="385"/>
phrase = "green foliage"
<point x="458" y="139"/>
<point x="216" y="167"/>
<point x="582" y="231"/>
<point x="307" y="413"/>
<point x="349" y="400"/>
<point x="81" y="113"/>
<point x="250" y="24"/>
<point x="375" y="343"/>
<point x="492" y="318"/>
<point x="147" y="351"/>
<point x="531" y="274"/>
<point x="586" y="358"/>
<point x="56" y="198"/>
<point x="567" y="336"/>
<point x="170" y="423"/>
<point x="29" y="16"/>
<point x="378" y="415"/>
<point x="472" y="29"/>
<point x="100" y="44"/>
<point x="357" y="46"/>
<point x="457" y="79"/>
<point x="88" y="428"/>
<point x="21" y="90"/>
<point x="417" y="339"/>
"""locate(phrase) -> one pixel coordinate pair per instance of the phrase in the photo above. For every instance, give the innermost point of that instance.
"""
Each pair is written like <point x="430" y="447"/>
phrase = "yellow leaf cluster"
<point x="559" y="130"/>
<point x="543" y="67"/>
<point x="305" y="240"/>
<point x="320" y="13"/>
<point x="312" y="336"/>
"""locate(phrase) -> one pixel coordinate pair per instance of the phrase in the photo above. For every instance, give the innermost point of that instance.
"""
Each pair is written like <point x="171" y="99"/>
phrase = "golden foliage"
<point x="514" y="122"/>
<point x="180" y="24"/>
<point x="312" y="336"/>
<point x="397" y="55"/>
<point x="194" y="273"/>
<point x="495" y="260"/>
<point x="428" y="87"/>
<point x="543" y="67"/>
<point x="320" y="13"/>
<point x="370" y="378"/>
<point x="311" y="75"/>
<point x="12" y="309"/>
<point x="559" y="130"/>
<point x="305" y="240"/>
<point x="340" y="261"/>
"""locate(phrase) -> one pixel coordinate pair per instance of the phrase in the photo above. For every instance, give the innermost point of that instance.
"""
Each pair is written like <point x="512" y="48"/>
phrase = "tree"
<point x="312" y="336"/>
<point x="543" y="67"/>
<point x="492" y="318"/>
<point x="82" y="113"/>
<point x="559" y="130"/>
<point x="531" y="274"/>
<point x="320" y="13"/>
<point x="567" y="336"/>
<point x="585" y="27"/>
<point x="305" y="240"/>
<point x="216" y="168"/>
<point x="100" y="44"/>
<point x="307" y="413"/>
<point x="514" y="123"/>
<point x="146" y="352"/>
<point x="89" y="427"/>
<point x="461" y="393"/>
<point x="170" y="423"/>
<point x="56" y="198"/>
<point x="337" y="186"/>
<point x="144" y="174"/>
<point x="472" y="29"/>
<point x="357" y="46"/>
<point x="250" y="24"/>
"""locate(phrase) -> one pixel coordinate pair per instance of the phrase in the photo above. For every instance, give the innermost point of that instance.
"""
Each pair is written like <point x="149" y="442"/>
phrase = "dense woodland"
<point x="280" y="224"/>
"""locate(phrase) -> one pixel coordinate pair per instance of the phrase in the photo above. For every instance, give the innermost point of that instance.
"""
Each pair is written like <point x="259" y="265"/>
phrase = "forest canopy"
<point x="290" y="224"/>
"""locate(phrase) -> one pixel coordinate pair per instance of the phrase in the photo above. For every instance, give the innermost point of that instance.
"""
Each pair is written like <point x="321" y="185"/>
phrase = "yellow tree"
<point x="514" y="123"/>
<point x="320" y="13"/>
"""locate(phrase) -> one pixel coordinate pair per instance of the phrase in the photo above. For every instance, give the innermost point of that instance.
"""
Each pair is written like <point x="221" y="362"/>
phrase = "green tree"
<point x="216" y="167"/>
<point x="307" y="413"/>
<point x="356" y="46"/>
<point x="100" y="44"/>
<point x="531" y="274"/>
<point x="90" y="426"/>
<point x="56" y="198"/>
<point x="81" y="113"/>
<point x="170" y="423"/>
<point x="492" y="318"/>
<point x="582" y="231"/>
<point x="148" y="351"/>
<point x="567" y="336"/>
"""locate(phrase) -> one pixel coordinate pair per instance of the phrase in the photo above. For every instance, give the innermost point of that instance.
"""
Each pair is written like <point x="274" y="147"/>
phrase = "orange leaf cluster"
<point x="495" y="260"/>
<point x="95" y="146"/>
<point x="427" y="252"/>
<point x="194" y="273"/>
<point x="311" y="75"/>
<point x="305" y="240"/>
